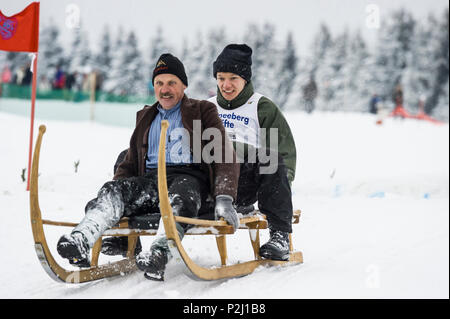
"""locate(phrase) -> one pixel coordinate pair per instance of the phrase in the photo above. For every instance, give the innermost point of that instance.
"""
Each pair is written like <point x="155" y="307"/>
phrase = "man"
<point x="133" y="190"/>
<point x="246" y="115"/>
<point x="309" y="94"/>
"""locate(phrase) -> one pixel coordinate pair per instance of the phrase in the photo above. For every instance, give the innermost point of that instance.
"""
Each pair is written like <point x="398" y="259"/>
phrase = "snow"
<point x="374" y="224"/>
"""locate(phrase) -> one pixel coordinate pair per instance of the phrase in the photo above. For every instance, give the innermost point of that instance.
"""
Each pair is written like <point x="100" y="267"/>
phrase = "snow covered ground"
<point x="374" y="201"/>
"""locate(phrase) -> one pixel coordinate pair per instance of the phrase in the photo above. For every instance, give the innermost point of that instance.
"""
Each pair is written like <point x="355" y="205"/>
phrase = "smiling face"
<point x="169" y="90"/>
<point x="230" y="84"/>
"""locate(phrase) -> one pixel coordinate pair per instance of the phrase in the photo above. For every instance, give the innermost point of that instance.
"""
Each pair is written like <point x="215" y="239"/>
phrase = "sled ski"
<point x="148" y="226"/>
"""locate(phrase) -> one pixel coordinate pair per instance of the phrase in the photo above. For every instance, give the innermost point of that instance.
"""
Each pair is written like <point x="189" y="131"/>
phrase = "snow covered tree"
<point x="321" y="43"/>
<point x="216" y="40"/>
<point x="158" y="46"/>
<point x="310" y="64"/>
<point x="127" y="76"/>
<point x="111" y="82"/>
<point x="393" y="49"/>
<point x="287" y="72"/>
<point x="332" y="74"/>
<point x="439" y="94"/>
<point x="80" y="56"/>
<point x="359" y="62"/>
<point x="265" y="59"/>
<point x="51" y="52"/>
<point x="192" y="58"/>
<point x="103" y="59"/>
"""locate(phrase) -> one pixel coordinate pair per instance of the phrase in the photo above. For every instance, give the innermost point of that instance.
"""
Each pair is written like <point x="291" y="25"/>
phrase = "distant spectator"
<point x="18" y="76"/>
<point x="309" y="94"/>
<point x="6" y="76"/>
<point x="60" y="79"/>
<point x="85" y="86"/>
<point x="374" y="103"/>
<point x="397" y="96"/>
<point x="28" y="76"/>
<point x="99" y="78"/>
<point x="44" y="84"/>
<point x="70" y="80"/>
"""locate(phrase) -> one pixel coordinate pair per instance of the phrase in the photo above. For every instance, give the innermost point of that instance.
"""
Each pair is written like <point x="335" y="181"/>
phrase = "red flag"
<point x="20" y="32"/>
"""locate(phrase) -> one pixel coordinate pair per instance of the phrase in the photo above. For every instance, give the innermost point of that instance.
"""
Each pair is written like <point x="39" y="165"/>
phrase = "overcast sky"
<point x="183" y="18"/>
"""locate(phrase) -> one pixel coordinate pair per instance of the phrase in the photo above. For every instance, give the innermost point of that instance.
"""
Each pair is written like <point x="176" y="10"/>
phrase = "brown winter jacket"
<point x="223" y="176"/>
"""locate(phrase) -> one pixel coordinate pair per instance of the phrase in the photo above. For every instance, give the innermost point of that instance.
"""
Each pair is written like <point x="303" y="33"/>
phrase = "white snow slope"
<point x="374" y="201"/>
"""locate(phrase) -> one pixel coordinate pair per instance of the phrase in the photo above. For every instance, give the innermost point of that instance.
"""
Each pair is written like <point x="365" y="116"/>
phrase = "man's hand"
<point x="224" y="208"/>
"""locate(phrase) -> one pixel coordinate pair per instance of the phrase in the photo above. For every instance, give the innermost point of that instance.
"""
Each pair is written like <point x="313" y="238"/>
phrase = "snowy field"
<point x="374" y="201"/>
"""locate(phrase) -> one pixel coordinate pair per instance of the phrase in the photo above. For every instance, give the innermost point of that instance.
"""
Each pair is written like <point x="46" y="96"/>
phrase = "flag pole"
<point x="33" y="101"/>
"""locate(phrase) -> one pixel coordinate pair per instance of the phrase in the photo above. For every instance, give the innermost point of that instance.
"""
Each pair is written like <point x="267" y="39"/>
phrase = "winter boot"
<point x="153" y="262"/>
<point x="113" y="246"/>
<point x="277" y="248"/>
<point x="75" y="248"/>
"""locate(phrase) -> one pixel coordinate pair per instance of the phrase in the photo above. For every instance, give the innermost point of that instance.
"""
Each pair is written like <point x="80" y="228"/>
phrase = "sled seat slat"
<point x="201" y="226"/>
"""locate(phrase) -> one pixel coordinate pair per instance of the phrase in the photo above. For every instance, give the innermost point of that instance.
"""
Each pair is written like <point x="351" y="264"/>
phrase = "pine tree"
<point x="394" y="46"/>
<point x="193" y="58"/>
<point x="332" y="74"/>
<point x="131" y="79"/>
<point x="80" y="56"/>
<point x="51" y="53"/>
<point x="265" y="58"/>
<point x="215" y="42"/>
<point x="103" y="58"/>
<point x="158" y="46"/>
<point x="358" y="74"/>
<point x="287" y="72"/>
<point x="439" y="94"/>
<point x="321" y="43"/>
<point x="111" y="83"/>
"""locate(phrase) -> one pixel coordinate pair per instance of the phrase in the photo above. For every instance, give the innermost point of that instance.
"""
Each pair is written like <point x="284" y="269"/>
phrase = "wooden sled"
<point x="127" y="227"/>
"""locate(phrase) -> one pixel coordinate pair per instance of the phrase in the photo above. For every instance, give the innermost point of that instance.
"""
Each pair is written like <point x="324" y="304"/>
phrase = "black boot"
<point x="75" y="248"/>
<point x="153" y="263"/>
<point x="113" y="246"/>
<point x="277" y="248"/>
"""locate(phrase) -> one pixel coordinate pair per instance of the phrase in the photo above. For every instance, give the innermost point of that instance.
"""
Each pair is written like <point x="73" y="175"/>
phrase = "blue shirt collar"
<point x="163" y="111"/>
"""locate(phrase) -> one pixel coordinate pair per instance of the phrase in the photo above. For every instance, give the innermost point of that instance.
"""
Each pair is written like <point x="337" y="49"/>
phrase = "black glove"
<point x="224" y="208"/>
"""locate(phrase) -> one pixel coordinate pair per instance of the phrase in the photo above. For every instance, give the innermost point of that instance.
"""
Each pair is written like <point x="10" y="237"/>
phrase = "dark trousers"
<point x="187" y="190"/>
<point x="272" y="191"/>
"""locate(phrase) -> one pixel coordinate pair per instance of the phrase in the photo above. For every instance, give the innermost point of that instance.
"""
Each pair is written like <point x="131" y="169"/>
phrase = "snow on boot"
<point x="153" y="263"/>
<point x="75" y="248"/>
<point x="277" y="248"/>
<point x="113" y="246"/>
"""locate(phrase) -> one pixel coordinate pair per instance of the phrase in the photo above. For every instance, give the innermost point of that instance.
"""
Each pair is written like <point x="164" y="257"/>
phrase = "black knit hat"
<point x="235" y="58"/>
<point x="167" y="63"/>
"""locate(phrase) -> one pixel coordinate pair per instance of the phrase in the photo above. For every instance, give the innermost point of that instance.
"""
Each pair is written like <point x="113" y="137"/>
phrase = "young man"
<point x="247" y="116"/>
<point x="133" y="190"/>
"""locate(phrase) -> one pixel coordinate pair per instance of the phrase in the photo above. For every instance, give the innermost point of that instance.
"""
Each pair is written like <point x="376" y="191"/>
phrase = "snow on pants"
<point x="187" y="189"/>
<point x="272" y="191"/>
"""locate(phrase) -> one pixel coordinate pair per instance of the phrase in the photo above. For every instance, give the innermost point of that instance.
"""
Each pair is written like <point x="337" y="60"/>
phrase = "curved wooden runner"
<point x="175" y="245"/>
<point x="95" y="272"/>
<point x="43" y="252"/>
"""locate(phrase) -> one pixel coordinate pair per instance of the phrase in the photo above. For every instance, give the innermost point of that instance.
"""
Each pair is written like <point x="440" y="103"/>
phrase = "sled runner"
<point x="147" y="225"/>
